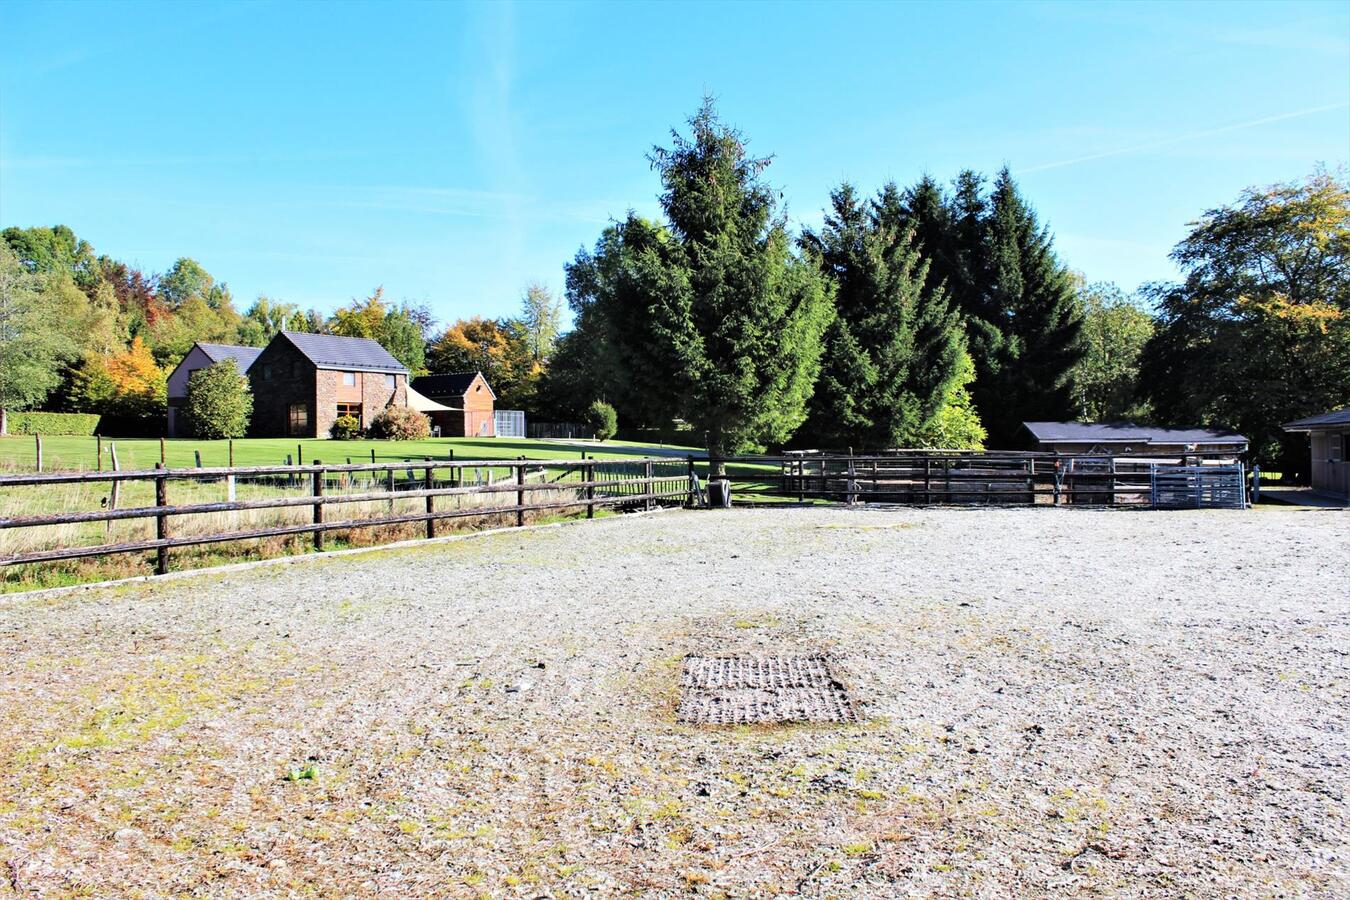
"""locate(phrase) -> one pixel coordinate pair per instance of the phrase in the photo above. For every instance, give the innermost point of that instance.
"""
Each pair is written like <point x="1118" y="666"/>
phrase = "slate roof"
<point x="1127" y="432"/>
<point x="242" y="356"/>
<point x="451" y="384"/>
<point x="330" y="351"/>
<point x="1335" y="417"/>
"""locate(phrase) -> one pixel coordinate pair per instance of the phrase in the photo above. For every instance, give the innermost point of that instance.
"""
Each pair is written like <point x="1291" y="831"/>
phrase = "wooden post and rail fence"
<point x="568" y="486"/>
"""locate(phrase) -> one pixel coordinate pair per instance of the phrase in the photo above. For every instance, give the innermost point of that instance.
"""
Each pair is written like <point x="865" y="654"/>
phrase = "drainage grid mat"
<point x="744" y="690"/>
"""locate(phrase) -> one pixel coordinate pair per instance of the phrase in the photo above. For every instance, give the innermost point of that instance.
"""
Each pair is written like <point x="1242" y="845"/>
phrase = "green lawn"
<point x="18" y="453"/>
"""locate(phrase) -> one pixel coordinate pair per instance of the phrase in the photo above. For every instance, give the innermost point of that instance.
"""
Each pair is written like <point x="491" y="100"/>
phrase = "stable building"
<point x="1127" y="438"/>
<point x="1329" y="440"/>
<point x="201" y="356"/>
<point x="467" y="403"/>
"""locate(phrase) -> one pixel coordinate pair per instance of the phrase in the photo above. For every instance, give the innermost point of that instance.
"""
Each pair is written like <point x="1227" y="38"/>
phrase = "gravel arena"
<point x="1051" y="701"/>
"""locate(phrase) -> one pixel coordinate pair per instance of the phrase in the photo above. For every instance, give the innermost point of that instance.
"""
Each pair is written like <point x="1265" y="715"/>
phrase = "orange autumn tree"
<point x="128" y="383"/>
<point x="499" y="349"/>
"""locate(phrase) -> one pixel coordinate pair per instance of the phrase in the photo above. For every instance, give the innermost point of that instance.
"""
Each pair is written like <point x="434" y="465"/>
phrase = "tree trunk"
<point x="717" y="467"/>
<point x="4" y="421"/>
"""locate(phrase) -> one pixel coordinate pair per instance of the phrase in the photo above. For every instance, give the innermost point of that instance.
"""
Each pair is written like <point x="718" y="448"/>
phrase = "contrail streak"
<point x="1167" y="142"/>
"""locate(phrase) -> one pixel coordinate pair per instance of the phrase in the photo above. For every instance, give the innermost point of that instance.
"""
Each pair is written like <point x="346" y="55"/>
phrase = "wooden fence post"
<point x="650" y="487"/>
<point x="588" y="471"/>
<point x="520" y="493"/>
<point x="318" y="507"/>
<point x="161" y="520"/>
<point x="231" y="453"/>
<point x="37" y="439"/>
<point x="427" y="484"/>
<point x="98" y="438"/>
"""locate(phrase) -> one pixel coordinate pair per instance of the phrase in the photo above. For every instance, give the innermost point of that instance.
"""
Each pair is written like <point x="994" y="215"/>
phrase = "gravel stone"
<point x="1086" y="702"/>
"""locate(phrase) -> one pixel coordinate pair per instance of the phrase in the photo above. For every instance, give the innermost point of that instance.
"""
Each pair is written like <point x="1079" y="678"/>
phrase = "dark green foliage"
<point x="399" y="423"/>
<point x="711" y="318"/>
<point x="1022" y="318"/>
<point x="602" y="419"/>
<point x="1258" y="334"/>
<point x="53" y="423"/>
<point x="893" y="351"/>
<point x="345" y="428"/>
<point x="219" y="402"/>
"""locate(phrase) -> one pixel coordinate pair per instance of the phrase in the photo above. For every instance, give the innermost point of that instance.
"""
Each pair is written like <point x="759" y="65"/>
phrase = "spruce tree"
<point x="712" y="317"/>
<point x="893" y="352"/>
<point x="1032" y="303"/>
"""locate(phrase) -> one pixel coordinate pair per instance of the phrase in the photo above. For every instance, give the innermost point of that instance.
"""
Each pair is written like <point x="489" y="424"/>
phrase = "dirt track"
<point x="1085" y="702"/>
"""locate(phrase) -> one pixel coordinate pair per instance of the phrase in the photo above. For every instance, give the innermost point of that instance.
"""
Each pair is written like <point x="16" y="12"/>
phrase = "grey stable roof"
<point x="331" y="351"/>
<point x="1328" y="419"/>
<point x="242" y="356"/>
<point x="450" y="384"/>
<point x="1127" y="433"/>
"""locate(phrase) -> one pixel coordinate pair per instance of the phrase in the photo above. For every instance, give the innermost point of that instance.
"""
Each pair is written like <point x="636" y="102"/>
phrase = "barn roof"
<point x="242" y="356"/>
<point x="1335" y="417"/>
<point x="1127" y="433"/>
<point x="331" y="351"/>
<point x="450" y="384"/>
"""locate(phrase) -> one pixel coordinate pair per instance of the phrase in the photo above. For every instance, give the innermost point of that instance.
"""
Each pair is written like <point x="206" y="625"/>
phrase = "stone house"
<point x="303" y="382"/>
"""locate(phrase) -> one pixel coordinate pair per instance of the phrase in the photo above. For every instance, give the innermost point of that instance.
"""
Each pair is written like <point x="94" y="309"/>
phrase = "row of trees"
<point x="934" y="316"/>
<point x="930" y="315"/>
<point x="892" y="325"/>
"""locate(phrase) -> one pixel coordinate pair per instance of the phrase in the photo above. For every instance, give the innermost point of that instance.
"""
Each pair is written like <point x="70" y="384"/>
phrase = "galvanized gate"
<point x="1198" y="487"/>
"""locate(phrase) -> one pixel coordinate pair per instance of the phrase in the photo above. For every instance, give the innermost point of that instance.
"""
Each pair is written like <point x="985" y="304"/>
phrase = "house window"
<point x="353" y="410"/>
<point x="349" y="379"/>
<point x="391" y="381"/>
<point x="1336" y="447"/>
<point x="298" y="419"/>
<point x="267" y="372"/>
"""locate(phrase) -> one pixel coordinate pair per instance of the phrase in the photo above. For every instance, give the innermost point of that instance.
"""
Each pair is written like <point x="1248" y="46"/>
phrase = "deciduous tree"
<point x="219" y="402"/>
<point x="1258" y="333"/>
<point x="33" y="344"/>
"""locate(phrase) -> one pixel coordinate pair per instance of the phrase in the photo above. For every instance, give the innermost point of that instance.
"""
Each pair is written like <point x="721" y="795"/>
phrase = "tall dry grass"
<point x="50" y="499"/>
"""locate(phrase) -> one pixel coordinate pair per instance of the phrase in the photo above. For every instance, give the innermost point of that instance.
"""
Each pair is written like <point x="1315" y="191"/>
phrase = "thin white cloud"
<point x="1182" y="138"/>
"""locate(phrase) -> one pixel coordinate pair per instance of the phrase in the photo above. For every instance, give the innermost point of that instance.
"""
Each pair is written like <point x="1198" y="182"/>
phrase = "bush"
<point x="52" y="423"/>
<point x="398" y="423"/>
<point x="345" y="428"/>
<point x="602" y="418"/>
<point x="219" y="402"/>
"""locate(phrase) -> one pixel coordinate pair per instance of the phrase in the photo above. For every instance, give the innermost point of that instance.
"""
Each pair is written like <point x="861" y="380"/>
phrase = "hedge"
<point x="52" y="423"/>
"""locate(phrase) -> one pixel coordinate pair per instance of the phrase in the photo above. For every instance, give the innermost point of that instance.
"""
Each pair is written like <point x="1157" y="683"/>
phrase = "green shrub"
<point x="219" y="402"/>
<point x="602" y="418"/>
<point x="345" y="428"/>
<point x="398" y="423"/>
<point x="52" y="423"/>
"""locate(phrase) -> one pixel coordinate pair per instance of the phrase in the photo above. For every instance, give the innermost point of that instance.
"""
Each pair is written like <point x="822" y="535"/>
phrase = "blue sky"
<point x="455" y="152"/>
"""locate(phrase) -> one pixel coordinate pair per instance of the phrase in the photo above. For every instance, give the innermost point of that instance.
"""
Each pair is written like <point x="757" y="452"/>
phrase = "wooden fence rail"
<point x="632" y="483"/>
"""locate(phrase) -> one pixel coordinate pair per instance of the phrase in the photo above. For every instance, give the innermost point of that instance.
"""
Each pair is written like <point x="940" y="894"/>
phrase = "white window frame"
<point x="349" y="379"/>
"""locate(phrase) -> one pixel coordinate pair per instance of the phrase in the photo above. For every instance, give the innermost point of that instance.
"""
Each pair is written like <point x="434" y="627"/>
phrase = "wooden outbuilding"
<point x="469" y="400"/>
<point x="1329" y="440"/>
<point x="1126" y="438"/>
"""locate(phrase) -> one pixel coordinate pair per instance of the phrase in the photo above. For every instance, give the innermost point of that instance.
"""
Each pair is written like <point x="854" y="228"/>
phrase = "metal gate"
<point x="1198" y="487"/>
<point x="509" y="423"/>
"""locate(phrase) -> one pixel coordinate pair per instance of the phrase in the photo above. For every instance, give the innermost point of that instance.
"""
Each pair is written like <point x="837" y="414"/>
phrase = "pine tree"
<point x="1033" y="305"/>
<point x="893" y="350"/>
<point x="725" y="320"/>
